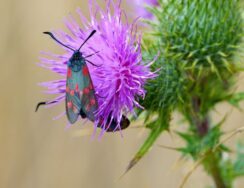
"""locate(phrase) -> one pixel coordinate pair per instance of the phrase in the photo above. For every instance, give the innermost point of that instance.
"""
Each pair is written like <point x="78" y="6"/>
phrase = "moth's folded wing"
<point x="74" y="86"/>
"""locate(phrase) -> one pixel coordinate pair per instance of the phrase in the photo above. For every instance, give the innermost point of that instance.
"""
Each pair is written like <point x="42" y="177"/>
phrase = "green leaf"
<point x="239" y="162"/>
<point x="157" y="127"/>
<point x="222" y="54"/>
<point x="196" y="145"/>
<point x="236" y="98"/>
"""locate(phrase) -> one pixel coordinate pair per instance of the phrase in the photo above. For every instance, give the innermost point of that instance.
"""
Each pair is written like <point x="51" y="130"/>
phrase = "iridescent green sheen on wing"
<point x="81" y="94"/>
<point x="72" y="81"/>
<point x="71" y="114"/>
<point x="89" y="102"/>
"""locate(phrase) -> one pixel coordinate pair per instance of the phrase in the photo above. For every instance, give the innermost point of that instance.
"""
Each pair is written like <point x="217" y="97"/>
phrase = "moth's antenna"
<point x="54" y="38"/>
<point x="92" y="33"/>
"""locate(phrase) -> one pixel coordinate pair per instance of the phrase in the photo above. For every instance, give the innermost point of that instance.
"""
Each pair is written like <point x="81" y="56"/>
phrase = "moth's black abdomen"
<point x="82" y="114"/>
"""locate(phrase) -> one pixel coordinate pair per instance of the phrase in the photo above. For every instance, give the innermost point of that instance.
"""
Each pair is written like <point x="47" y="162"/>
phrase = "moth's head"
<point x="77" y="55"/>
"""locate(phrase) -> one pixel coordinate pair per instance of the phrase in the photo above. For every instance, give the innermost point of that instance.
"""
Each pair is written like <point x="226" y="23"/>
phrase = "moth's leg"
<point x="91" y="54"/>
<point x="93" y="63"/>
<point x="43" y="103"/>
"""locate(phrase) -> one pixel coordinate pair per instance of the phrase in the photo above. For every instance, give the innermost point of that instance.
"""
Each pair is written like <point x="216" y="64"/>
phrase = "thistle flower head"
<point x="120" y="74"/>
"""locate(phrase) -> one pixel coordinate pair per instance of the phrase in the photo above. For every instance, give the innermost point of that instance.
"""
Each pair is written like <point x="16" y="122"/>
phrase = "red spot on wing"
<point x="88" y="107"/>
<point x="91" y="86"/>
<point x="76" y="88"/>
<point x="86" y="90"/>
<point x="72" y="92"/>
<point x="69" y="104"/>
<point x="92" y="102"/>
<point x="69" y="73"/>
<point x="75" y="110"/>
<point x="85" y="70"/>
<point x="67" y="89"/>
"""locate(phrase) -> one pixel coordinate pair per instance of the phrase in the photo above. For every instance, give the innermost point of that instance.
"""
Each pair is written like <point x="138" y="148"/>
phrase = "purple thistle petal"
<point x="122" y="74"/>
<point x="140" y="7"/>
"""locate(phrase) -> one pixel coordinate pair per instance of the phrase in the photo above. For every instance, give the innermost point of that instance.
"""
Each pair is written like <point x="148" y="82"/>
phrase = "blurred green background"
<point x="37" y="152"/>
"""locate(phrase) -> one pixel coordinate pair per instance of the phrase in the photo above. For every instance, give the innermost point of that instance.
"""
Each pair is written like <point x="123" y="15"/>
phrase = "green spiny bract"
<point x="204" y="33"/>
<point x="164" y="91"/>
<point x="198" y="41"/>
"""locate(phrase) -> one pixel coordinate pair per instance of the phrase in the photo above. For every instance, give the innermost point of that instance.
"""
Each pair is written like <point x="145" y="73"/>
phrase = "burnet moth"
<point x="80" y="94"/>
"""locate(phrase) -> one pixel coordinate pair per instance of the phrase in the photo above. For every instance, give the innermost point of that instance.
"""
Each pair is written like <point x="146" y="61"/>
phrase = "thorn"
<point x="194" y="167"/>
<point x="132" y="163"/>
<point x="168" y="147"/>
<point x="232" y="134"/>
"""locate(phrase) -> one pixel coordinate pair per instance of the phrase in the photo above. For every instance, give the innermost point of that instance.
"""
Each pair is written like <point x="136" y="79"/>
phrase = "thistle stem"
<point x="202" y="126"/>
<point x="212" y="162"/>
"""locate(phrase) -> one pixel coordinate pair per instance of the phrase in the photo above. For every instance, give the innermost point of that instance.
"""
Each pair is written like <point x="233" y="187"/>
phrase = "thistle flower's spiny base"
<point x="203" y="50"/>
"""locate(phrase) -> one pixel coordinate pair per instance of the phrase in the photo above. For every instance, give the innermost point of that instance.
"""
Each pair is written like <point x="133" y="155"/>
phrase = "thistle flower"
<point x="121" y="74"/>
<point x="140" y="7"/>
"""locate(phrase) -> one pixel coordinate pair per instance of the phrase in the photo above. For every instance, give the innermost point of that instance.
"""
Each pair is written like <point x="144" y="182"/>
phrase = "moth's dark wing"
<point x="72" y="105"/>
<point x="73" y="94"/>
<point x="124" y="123"/>
<point x="89" y="104"/>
